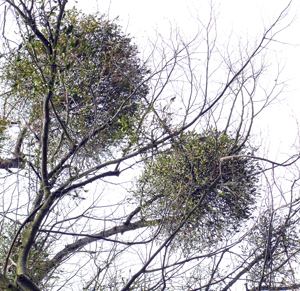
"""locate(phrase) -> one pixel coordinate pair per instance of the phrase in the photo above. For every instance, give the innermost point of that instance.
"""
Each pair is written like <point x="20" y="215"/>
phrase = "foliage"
<point x="191" y="178"/>
<point x="99" y="81"/>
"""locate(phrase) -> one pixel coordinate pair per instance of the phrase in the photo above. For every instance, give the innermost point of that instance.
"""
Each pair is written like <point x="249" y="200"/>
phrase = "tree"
<point x="80" y="109"/>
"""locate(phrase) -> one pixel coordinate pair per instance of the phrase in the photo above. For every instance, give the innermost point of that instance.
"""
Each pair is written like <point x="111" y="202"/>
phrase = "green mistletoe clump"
<point x="190" y="183"/>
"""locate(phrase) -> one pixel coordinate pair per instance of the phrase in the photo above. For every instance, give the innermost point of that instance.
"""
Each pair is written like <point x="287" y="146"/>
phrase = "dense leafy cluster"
<point x="99" y="81"/>
<point x="191" y="178"/>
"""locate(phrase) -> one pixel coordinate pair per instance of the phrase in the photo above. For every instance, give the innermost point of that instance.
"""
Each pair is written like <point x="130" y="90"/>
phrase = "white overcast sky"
<point x="243" y="18"/>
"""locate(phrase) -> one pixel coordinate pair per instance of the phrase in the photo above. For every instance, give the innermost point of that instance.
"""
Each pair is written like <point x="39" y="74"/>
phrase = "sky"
<point x="143" y="16"/>
<point x="241" y="19"/>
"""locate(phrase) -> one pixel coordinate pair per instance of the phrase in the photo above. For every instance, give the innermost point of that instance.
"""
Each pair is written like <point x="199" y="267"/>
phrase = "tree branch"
<point x="72" y="248"/>
<point x="14" y="163"/>
<point x="5" y="284"/>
